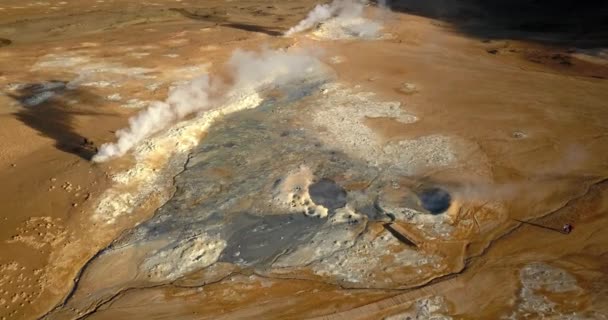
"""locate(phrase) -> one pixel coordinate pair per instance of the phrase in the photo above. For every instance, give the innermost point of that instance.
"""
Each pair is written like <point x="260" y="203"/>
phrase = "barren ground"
<point x="527" y="121"/>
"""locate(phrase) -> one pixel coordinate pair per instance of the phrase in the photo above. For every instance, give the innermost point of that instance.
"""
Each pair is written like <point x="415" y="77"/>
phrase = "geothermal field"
<point x="346" y="159"/>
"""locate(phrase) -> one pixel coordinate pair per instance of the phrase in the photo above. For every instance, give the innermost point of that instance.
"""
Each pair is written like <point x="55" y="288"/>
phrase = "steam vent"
<point x="339" y="159"/>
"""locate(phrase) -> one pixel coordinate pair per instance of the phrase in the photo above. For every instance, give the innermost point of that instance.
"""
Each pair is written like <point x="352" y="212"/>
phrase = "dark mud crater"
<point x="435" y="200"/>
<point x="327" y="193"/>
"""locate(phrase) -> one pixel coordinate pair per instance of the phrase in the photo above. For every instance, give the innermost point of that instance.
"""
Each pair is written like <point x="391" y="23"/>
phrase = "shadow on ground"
<point x="46" y="108"/>
<point x="220" y="19"/>
<point x="5" y="42"/>
<point x="582" y="24"/>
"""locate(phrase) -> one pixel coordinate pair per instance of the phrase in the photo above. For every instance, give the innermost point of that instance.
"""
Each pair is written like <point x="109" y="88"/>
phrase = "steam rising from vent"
<point x="323" y="12"/>
<point x="253" y="70"/>
<point x="250" y="71"/>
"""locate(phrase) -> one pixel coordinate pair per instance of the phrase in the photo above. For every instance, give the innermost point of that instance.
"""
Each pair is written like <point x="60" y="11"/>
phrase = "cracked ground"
<point x="425" y="172"/>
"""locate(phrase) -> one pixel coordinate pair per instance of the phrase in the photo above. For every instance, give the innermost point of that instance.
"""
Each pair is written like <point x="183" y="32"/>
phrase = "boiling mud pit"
<point x="297" y="186"/>
<point x="363" y="164"/>
<point x="264" y="194"/>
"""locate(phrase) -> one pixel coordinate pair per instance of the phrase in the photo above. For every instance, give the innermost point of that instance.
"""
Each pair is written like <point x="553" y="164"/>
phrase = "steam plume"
<point x="383" y="4"/>
<point x="323" y="12"/>
<point x="249" y="71"/>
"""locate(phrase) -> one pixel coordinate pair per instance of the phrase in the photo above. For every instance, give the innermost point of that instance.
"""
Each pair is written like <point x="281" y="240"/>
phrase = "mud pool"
<point x="403" y="174"/>
<point x="263" y="192"/>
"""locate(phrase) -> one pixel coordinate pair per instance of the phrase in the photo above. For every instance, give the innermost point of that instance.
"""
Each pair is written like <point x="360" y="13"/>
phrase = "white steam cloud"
<point x="323" y="12"/>
<point x="191" y="97"/>
<point x="248" y="70"/>
<point x="256" y="70"/>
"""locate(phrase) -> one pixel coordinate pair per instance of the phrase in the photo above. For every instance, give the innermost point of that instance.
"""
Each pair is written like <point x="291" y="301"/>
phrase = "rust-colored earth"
<point x="531" y="115"/>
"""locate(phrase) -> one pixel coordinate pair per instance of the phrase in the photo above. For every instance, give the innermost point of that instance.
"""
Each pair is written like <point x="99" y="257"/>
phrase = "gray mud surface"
<point x="255" y="150"/>
<point x="263" y="193"/>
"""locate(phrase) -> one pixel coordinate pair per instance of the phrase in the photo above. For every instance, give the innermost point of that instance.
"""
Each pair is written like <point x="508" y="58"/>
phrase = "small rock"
<point x="135" y="104"/>
<point x="67" y="187"/>
<point x="337" y="59"/>
<point x="408" y="88"/>
<point x="114" y="97"/>
<point x="519" y="135"/>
